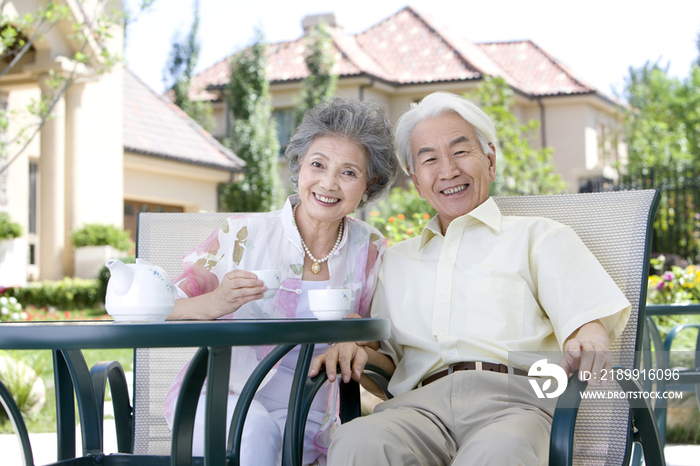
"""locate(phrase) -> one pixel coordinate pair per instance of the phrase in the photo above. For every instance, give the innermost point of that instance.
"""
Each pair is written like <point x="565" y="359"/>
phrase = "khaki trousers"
<point x="467" y="418"/>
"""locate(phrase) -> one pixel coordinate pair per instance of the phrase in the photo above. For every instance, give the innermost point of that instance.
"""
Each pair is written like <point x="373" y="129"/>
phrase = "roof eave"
<point x="173" y="158"/>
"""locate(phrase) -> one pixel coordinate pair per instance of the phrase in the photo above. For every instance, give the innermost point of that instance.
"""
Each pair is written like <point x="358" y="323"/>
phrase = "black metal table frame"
<point x="211" y="362"/>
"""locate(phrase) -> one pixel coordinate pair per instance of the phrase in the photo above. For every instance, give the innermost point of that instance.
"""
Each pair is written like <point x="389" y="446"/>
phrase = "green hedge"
<point x="66" y="294"/>
<point x="95" y="234"/>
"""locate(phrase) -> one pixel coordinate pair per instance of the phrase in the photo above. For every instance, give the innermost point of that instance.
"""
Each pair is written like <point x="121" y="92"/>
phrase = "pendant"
<point x="316" y="267"/>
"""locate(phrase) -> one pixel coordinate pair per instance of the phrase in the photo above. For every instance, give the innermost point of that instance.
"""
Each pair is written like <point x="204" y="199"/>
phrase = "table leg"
<point x="215" y="410"/>
<point x="87" y="407"/>
<point x="65" y="408"/>
<point x="292" y="449"/>
<point x="186" y="408"/>
<point x="246" y="398"/>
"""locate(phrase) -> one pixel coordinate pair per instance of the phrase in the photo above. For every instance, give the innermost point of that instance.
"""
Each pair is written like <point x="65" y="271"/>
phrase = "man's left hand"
<point x="587" y="351"/>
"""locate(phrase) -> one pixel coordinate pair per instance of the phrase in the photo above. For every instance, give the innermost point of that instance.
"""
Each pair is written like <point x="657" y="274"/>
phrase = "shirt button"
<point x="450" y="258"/>
<point x="443" y="296"/>
<point x="441" y="333"/>
<point x="450" y="353"/>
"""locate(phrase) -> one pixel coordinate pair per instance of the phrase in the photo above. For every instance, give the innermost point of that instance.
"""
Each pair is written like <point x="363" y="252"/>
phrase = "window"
<point x="33" y="168"/>
<point x="132" y="208"/>
<point x="285" y="126"/>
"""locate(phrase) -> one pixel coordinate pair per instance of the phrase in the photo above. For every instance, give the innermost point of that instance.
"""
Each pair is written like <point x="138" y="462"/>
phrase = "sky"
<point x="598" y="39"/>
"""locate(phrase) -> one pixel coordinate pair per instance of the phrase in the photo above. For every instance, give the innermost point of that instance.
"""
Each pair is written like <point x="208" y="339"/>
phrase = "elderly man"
<point x="475" y="292"/>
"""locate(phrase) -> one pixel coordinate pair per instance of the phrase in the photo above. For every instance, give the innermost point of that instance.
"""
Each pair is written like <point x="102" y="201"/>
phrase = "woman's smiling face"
<point x="332" y="178"/>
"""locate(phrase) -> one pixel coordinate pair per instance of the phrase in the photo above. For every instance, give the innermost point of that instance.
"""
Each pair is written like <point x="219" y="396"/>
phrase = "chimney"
<point x="311" y="21"/>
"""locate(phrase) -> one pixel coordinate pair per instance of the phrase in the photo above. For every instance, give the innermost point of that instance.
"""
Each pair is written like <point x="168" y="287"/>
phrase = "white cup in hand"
<point x="327" y="304"/>
<point x="271" y="279"/>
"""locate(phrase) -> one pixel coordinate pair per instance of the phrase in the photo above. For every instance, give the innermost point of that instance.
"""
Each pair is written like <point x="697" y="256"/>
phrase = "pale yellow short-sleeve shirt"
<point x="492" y="285"/>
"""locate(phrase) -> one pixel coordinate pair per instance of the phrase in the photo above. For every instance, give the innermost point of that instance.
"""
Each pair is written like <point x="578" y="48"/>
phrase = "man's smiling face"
<point x="451" y="171"/>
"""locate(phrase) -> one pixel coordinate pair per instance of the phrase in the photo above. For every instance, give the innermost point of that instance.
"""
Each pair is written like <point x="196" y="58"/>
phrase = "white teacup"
<point x="271" y="279"/>
<point x="327" y="304"/>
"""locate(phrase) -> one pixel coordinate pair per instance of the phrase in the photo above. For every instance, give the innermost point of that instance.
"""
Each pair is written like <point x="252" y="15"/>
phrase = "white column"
<point x="52" y="234"/>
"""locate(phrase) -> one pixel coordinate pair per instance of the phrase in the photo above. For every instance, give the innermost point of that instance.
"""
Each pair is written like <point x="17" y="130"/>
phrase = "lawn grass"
<point x="42" y="362"/>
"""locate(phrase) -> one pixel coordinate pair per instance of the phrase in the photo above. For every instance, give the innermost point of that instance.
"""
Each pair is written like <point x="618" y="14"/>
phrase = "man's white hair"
<point x="434" y="105"/>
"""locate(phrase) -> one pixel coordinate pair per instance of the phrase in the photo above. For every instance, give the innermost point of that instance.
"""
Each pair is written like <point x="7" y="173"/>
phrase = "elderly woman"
<point x="341" y="158"/>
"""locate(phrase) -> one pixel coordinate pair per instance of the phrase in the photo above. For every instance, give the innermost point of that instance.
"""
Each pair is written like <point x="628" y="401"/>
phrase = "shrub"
<point x="95" y="234"/>
<point x="25" y="384"/>
<point x="69" y="293"/>
<point x="405" y="201"/>
<point x="675" y="286"/>
<point x="8" y="228"/>
<point x="11" y="309"/>
<point x="398" y="228"/>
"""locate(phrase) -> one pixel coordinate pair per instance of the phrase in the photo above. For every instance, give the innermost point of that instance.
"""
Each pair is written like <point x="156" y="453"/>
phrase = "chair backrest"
<point x="616" y="227"/>
<point x="163" y="239"/>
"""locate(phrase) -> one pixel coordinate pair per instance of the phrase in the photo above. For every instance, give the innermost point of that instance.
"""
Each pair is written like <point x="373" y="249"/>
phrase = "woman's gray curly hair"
<point x="361" y="121"/>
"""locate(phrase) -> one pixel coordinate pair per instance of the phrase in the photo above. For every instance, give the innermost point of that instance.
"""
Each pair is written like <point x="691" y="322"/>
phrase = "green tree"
<point x="321" y="83"/>
<point x="253" y="133"/>
<point x="656" y="120"/>
<point x="179" y="71"/>
<point x="524" y="170"/>
<point x="92" y="24"/>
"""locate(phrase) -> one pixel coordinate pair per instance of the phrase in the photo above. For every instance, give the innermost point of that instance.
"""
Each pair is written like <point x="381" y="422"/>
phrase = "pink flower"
<point x="197" y="280"/>
<point x="660" y="286"/>
<point x="668" y="276"/>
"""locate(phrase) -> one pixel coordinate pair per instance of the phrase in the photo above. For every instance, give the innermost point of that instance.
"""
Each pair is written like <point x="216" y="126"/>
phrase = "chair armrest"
<point x="668" y="342"/>
<point x="561" y="443"/>
<point x="123" y="411"/>
<point x="380" y="377"/>
<point x="561" y="447"/>
<point x="350" y="403"/>
<point x="643" y="419"/>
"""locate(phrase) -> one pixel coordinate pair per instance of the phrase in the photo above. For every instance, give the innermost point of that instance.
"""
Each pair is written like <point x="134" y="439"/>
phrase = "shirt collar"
<point x="487" y="213"/>
<point x="289" y="223"/>
<point x="287" y="217"/>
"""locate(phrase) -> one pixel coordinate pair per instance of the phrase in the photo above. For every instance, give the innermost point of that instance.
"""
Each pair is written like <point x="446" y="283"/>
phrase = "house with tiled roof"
<point x="408" y="55"/>
<point x="112" y="148"/>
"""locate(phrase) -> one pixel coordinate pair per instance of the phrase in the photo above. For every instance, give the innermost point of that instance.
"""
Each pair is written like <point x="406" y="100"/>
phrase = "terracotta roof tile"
<point x="537" y="72"/>
<point x="154" y="126"/>
<point x="411" y="47"/>
<point x="406" y="44"/>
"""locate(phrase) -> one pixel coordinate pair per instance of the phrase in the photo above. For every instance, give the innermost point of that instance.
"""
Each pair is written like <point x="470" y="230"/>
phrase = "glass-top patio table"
<point x="212" y="361"/>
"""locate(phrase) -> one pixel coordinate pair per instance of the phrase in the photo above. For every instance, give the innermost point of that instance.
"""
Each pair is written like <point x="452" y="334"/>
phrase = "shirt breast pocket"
<point x="495" y="308"/>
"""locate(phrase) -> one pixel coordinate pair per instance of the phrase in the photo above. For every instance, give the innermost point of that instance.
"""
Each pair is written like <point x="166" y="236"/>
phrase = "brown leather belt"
<point x="471" y="366"/>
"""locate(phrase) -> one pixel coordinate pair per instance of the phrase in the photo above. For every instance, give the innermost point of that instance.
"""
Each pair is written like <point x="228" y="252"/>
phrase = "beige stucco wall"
<point x="150" y="179"/>
<point x="79" y="151"/>
<point x="19" y="96"/>
<point x="570" y="125"/>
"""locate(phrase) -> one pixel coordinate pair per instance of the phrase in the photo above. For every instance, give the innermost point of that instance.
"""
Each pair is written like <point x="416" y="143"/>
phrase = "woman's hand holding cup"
<point x="237" y="288"/>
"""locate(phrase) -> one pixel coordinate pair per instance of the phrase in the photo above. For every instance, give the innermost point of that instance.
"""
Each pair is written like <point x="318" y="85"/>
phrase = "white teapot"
<point x="138" y="292"/>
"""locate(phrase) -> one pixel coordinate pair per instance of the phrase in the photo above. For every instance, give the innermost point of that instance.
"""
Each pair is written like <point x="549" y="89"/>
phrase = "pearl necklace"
<point x="316" y="266"/>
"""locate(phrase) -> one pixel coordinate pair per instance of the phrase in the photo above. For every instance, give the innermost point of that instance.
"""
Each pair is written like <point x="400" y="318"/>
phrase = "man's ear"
<point x="414" y="178"/>
<point x="492" y="163"/>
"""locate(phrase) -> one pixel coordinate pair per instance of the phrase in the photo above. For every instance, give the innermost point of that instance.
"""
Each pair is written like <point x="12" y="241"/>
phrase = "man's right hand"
<point x="350" y="356"/>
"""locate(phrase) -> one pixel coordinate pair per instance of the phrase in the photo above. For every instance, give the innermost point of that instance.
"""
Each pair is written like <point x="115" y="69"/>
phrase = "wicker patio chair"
<point x="616" y="227"/>
<point x="162" y="239"/>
